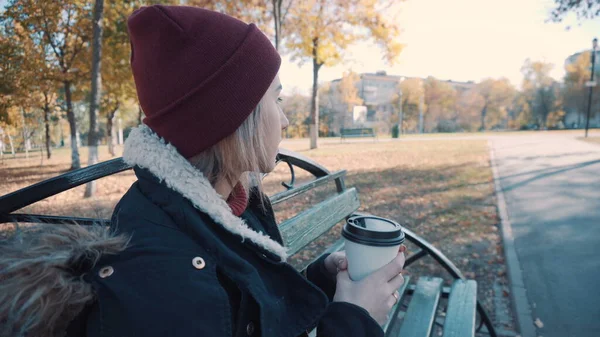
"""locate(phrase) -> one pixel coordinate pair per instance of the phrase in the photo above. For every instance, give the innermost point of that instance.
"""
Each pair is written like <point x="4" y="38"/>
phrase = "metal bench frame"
<point x="16" y="200"/>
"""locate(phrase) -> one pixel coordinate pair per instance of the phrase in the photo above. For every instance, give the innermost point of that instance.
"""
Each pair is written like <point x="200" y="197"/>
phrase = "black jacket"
<point x="185" y="275"/>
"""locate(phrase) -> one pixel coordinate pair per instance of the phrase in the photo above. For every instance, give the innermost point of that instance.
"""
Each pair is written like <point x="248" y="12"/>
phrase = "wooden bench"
<point x="417" y="313"/>
<point x="357" y="133"/>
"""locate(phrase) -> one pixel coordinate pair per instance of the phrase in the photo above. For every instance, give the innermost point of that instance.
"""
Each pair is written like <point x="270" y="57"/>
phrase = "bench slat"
<point x="285" y="195"/>
<point x="303" y="228"/>
<point x="389" y="325"/>
<point x="419" y="318"/>
<point x="462" y="306"/>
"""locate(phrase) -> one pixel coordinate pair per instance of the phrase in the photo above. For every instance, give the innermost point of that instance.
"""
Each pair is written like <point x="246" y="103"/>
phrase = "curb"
<point x="518" y="293"/>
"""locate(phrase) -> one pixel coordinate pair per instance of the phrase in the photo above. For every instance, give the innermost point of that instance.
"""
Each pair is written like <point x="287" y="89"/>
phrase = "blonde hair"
<point x="244" y="152"/>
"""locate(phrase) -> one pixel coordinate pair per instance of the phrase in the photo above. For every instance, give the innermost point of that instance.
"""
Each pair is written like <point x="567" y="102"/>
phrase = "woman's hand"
<point x="336" y="262"/>
<point x="376" y="293"/>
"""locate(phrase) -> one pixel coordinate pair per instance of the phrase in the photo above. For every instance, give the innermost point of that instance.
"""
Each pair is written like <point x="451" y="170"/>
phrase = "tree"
<point x="279" y="16"/>
<point x="64" y="27"/>
<point x="347" y="91"/>
<point x="117" y="81"/>
<point x="26" y="83"/>
<point x="496" y="100"/>
<point x="521" y="113"/>
<point x="541" y="90"/>
<point x="296" y="108"/>
<point x="584" y="9"/>
<point x="327" y="109"/>
<point x="468" y="109"/>
<point x="41" y="88"/>
<point x="49" y="105"/>
<point x="323" y="30"/>
<point x="12" y="62"/>
<point x="259" y="12"/>
<point x="577" y="73"/>
<point x="440" y="98"/>
<point x="413" y="91"/>
<point x="96" y="86"/>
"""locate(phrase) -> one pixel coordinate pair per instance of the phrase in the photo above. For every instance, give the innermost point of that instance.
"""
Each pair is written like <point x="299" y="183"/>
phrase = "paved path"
<point x="552" y="192"/>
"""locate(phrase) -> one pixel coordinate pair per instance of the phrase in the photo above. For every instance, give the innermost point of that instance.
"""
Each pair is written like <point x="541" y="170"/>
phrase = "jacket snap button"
<point x="250" y="329"/>
<point x="106" y="271"/>
<point x="198" y="262"/>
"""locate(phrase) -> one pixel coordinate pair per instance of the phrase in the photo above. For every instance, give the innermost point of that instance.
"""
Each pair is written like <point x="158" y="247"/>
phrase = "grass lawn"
<point x="441" y="189"/>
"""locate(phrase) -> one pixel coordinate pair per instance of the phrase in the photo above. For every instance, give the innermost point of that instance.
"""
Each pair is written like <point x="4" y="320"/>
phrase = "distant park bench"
<point x="357" y="133"/>
<point x="419" y="309"/>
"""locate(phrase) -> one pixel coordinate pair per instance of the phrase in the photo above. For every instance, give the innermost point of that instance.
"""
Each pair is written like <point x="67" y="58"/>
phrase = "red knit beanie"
<point x="199" y="74"/>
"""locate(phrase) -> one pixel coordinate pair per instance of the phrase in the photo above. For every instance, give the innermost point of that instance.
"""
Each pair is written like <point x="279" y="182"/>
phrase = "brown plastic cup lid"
<point x="373" y="231"/>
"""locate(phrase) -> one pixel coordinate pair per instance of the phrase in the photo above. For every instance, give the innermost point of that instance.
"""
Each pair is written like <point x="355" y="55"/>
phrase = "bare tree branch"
<point x="286" y="11"/>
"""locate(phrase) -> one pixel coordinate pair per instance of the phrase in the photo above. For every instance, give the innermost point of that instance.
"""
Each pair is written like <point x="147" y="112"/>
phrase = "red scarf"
<point x="238" y="200"/>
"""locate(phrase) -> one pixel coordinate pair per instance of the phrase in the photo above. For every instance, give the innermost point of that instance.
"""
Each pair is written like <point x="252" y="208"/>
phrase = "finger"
<point x="402" y="249"/>
<point x="397" y="282"/>
<point x="343" y="276"/>
<point x="391" y="301"/>
<point x="331" y="262"/>
<point x="342" y="264"/>
<point x="390" y="270"/>
<point x="395" y="297"/>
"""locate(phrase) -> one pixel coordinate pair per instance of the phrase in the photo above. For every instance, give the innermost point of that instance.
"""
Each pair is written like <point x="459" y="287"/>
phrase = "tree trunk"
<point x="277" y="21"/>
<point x="90" y="188"/>
<point x="25" y="133"/>
<point x="75" y="164"/>
<point x="41" y="152"/>
<point x="421" y="104"/>
<point x="400" y="123"/>
<point x="47" y="125"/>
<point x="483" y="114"/>
<point x="314" y="101"/>
<point x="119" y="132"/>
<point x="110" y="135"/>
<point x="110" y="130"/>
<point x="12" y="146"/>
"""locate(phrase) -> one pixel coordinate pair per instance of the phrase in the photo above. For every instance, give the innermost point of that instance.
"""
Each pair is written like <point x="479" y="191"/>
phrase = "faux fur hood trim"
<point x="41" y="276"/>
<point x="146" y="149"/>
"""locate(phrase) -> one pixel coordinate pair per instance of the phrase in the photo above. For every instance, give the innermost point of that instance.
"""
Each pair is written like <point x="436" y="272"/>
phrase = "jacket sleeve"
<point x="346" y="319"/>
<point x="318" y="275"/>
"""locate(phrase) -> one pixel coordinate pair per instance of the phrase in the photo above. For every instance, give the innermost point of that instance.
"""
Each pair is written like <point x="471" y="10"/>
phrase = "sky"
<point x="464" y="40"/>
<point x="461" y="40"/>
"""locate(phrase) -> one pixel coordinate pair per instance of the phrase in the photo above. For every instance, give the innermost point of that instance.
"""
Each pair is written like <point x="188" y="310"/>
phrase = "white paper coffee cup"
<point x="371" y="242"/>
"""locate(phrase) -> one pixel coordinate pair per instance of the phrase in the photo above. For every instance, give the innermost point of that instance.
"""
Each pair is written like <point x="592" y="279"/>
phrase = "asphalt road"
<point x="552" y="191"/>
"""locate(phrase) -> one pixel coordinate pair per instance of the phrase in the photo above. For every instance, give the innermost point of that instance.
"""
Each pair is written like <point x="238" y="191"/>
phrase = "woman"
<point x="204" y="256"/>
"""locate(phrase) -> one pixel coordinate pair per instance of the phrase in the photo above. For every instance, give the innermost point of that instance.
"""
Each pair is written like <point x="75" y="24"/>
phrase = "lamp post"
<point x="400" y="112"/>
<point x="591" y="85"/>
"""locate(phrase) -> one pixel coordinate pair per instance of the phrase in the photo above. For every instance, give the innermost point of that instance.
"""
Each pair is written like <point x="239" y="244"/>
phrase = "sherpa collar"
<point x="145" y="149"/>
